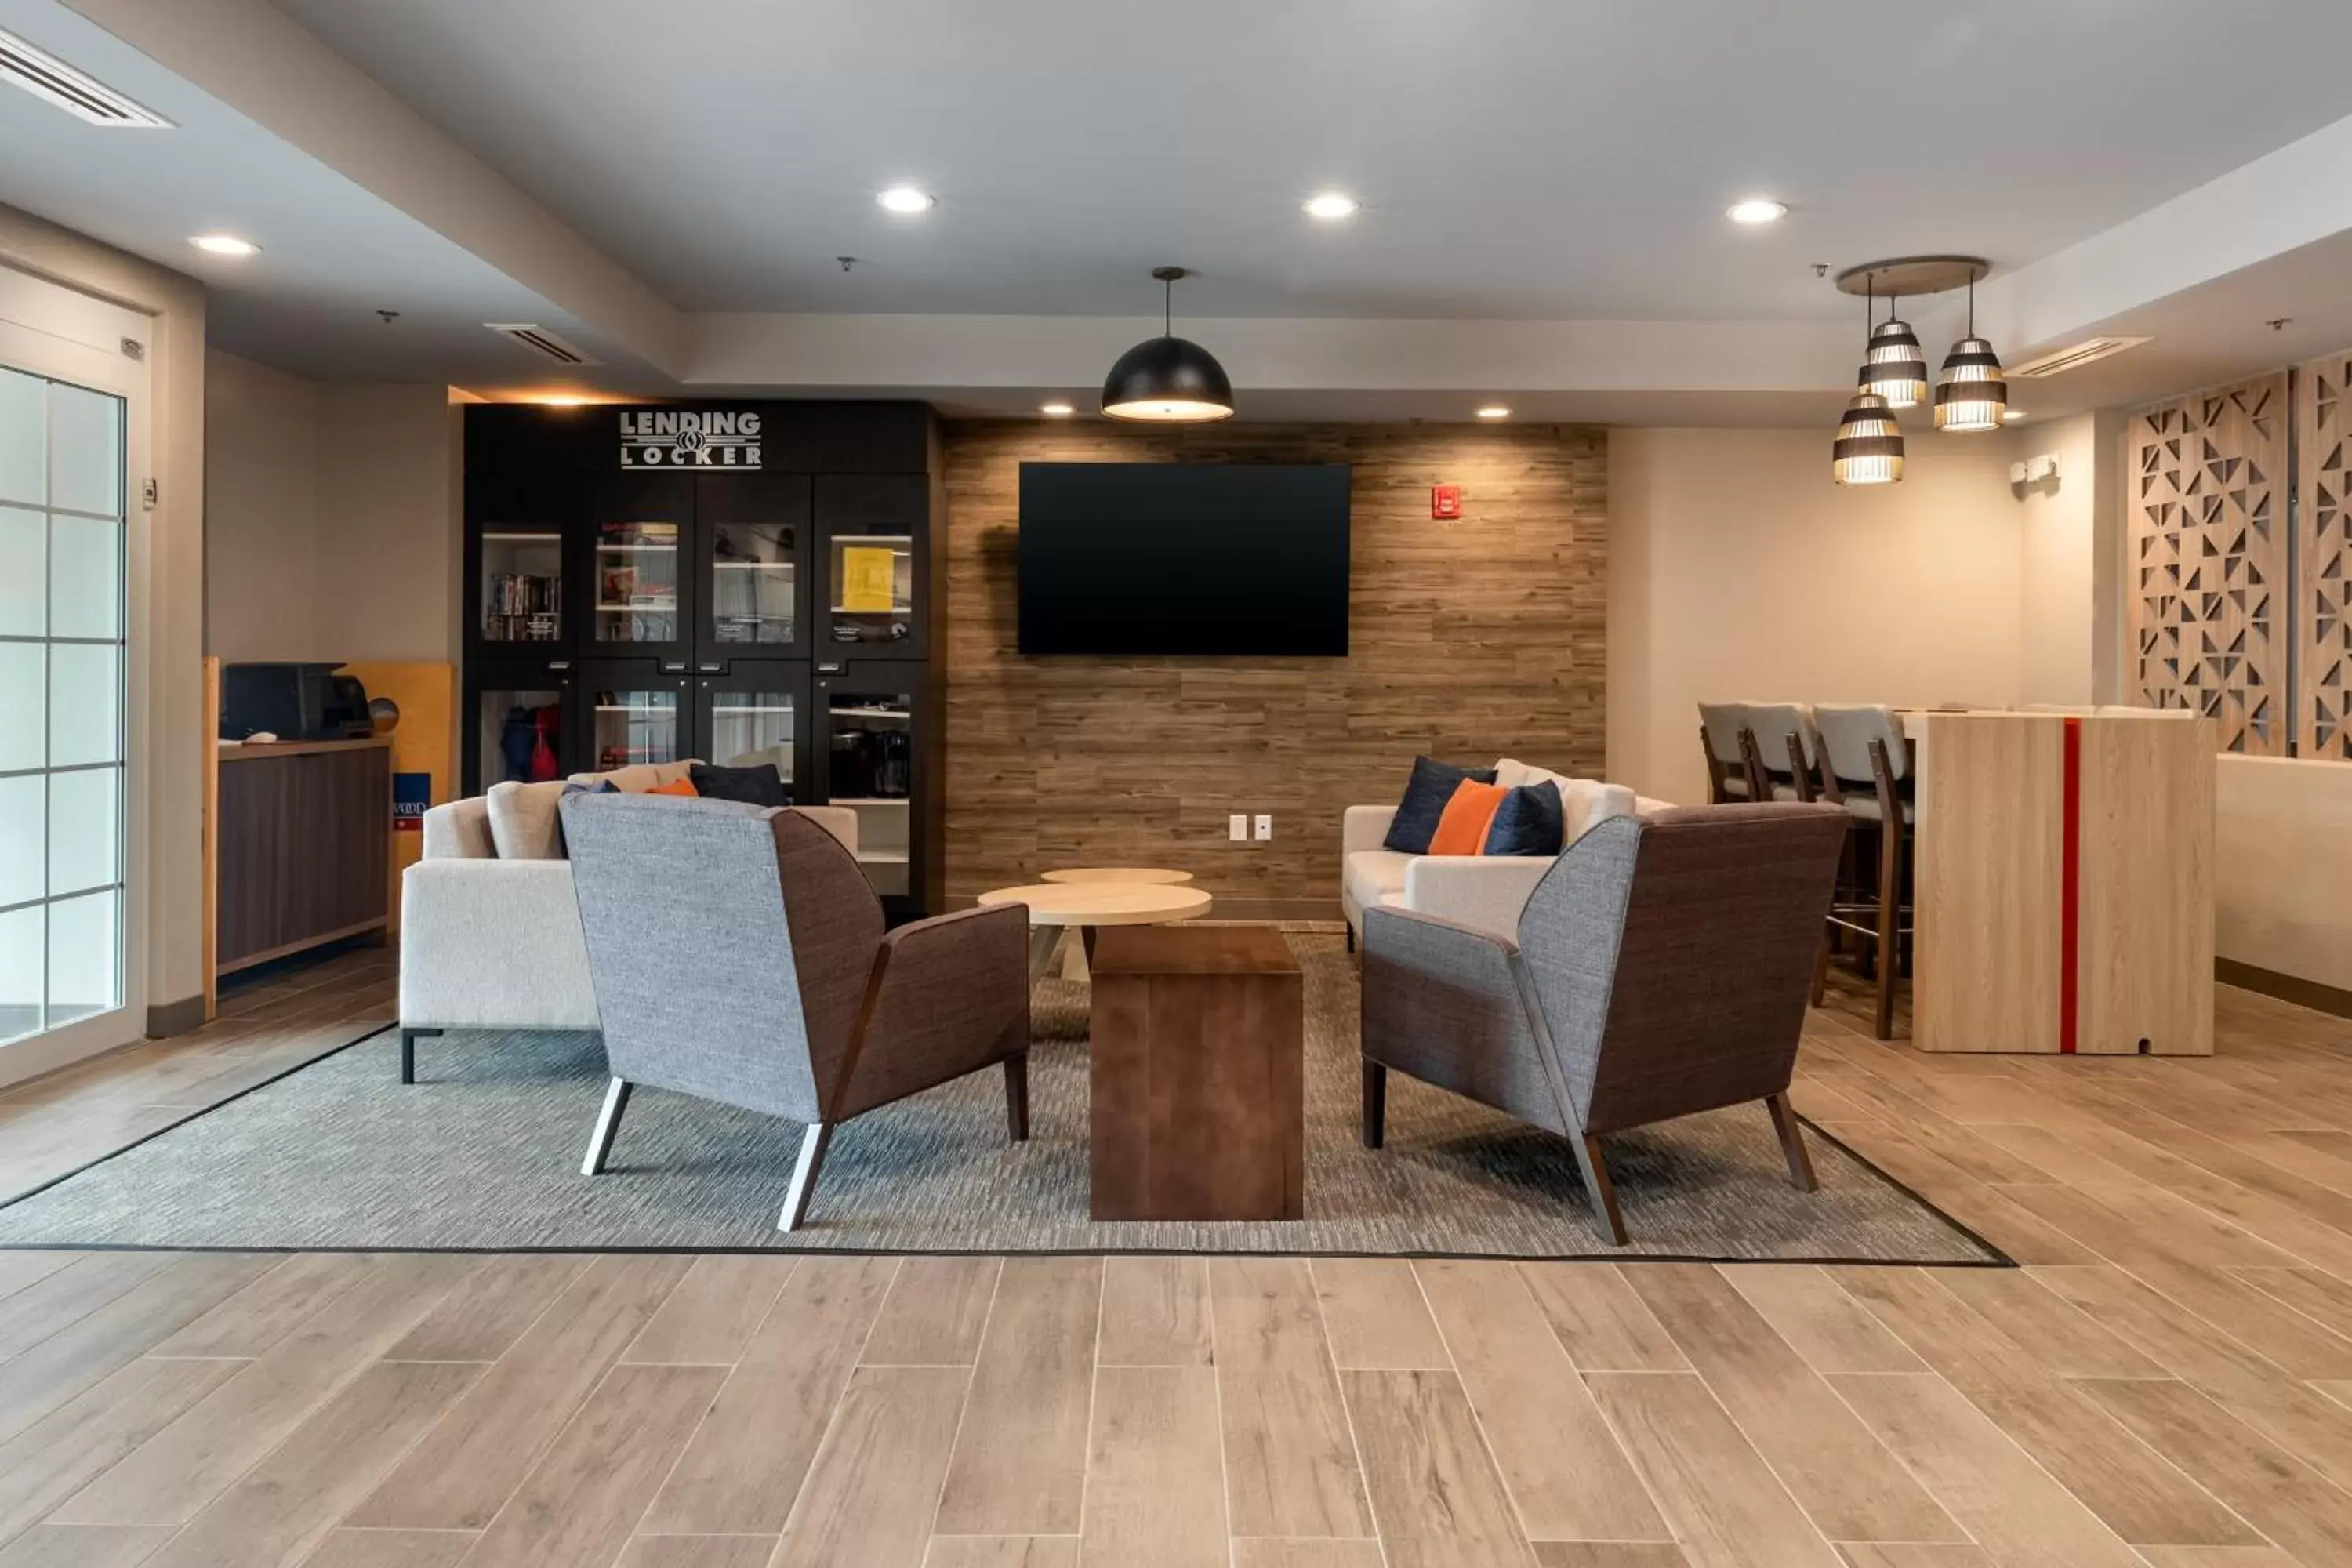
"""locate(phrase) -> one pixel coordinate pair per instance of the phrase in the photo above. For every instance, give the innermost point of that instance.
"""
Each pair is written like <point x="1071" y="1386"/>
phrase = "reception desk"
<point x="2063" y="886"/>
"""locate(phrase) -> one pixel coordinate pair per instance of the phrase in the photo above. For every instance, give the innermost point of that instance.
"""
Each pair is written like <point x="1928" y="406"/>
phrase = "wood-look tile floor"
<point x="2167" y="1385"/>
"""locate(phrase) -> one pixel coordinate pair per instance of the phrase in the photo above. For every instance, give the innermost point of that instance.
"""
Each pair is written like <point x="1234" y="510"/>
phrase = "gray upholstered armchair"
<point x="1660" y="969"/>
<point x="738" y="954"/>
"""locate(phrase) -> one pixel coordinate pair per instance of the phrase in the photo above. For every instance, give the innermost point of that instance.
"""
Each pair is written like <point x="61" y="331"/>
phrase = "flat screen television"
<point x="1174" y="558"/>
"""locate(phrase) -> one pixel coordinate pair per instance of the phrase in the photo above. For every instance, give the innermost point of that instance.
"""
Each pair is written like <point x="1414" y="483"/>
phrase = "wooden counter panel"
<point x="1988" y="887"/>
<point x="305" y="849"/>
<point x="2144" y="946"/>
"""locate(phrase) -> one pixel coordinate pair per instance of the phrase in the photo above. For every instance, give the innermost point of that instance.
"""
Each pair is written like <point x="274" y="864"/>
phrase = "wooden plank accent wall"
<point x="2208" y="560"/>
<point x="2323" y="610"/>
<point x="1469" y="640"/>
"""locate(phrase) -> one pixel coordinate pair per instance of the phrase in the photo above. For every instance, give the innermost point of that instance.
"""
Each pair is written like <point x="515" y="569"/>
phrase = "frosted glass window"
<point x="24" y="573"/>
<point x="24" y="702"/>
<point x="85" y="703"/>
<point x="24" y="439"/>
<point x="23" y="939"/>
<point x="84" y="829"/>
<point x="85" y="450"/>
<point x="85" y="956"/>
<point x="85" y="576"/>
<point x="23" y="838"/>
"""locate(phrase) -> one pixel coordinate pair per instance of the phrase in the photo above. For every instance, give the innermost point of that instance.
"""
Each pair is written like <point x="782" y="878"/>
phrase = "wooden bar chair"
<point x="1866" y="769"/>
<point x="1721" y="726"/>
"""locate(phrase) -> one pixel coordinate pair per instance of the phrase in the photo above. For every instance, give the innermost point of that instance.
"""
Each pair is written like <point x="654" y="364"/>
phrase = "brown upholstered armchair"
<point x="1661" y="969"/>
<point x="738" y="954"/>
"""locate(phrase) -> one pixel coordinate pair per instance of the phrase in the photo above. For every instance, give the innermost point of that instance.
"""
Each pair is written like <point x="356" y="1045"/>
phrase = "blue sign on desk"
<point x="410" y="794"/>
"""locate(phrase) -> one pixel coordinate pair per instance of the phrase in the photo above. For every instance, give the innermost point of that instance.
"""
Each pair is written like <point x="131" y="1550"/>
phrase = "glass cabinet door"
<point x="753" y="715"/>
<point x="520" y="554"/>
<point x="870" y="714"/>
<point x="636" y="555"/>
<point x="754" y="549"/>
<point x="521" y="720"/>
<point x="521" y="598"/>
<point x="632" y="721"/>
<point x="876" y="528"/>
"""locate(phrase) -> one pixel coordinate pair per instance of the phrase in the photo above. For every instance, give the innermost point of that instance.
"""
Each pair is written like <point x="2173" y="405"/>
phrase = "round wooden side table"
<point x="1057" y="907"/>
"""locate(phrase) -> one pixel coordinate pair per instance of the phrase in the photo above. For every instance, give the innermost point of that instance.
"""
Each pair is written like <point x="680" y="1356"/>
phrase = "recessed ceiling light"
<point x="905" y="199"/>
<point x="1758" y="210"/>
<point x="1055" y="410"/>
<point x="1494" y="411"/>
<point x="1331" y="205"/>
<point x="223" y="245"/>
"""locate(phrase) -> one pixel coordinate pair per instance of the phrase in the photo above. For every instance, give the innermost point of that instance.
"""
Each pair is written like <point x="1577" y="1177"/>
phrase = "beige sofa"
<point x="1483" y="893"/>
<point x="489" y="927"/>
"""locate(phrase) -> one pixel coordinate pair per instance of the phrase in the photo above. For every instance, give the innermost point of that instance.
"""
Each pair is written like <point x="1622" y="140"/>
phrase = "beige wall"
<point x="335" y="534"/>
<point x="1739" y="571"/>
<point x="2057" y="575"/>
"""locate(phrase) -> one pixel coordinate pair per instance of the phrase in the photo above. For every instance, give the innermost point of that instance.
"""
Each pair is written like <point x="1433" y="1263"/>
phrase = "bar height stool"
<point x="1722" y="726"/>
<point x="1868" y="770"/>
<point x="1783" y="751"/>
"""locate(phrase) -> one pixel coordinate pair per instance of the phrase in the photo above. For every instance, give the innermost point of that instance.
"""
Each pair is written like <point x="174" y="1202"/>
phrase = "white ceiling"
<point x="1517" y="158"/>
<point x="1543" y="185"/>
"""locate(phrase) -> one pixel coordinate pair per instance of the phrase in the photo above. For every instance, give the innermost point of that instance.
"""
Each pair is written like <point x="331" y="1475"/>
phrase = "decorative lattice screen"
<point x="2323" y="607"/>
<point x="2208" y="559"/>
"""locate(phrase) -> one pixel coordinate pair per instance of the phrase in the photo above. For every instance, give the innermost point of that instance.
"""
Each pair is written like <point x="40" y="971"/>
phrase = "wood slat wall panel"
<point x="1469" y="640"/>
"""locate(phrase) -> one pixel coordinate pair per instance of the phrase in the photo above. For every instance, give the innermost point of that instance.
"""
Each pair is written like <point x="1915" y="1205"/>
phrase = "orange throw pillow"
<point x="676" y="786"/>
<point x="1462" y="829"/>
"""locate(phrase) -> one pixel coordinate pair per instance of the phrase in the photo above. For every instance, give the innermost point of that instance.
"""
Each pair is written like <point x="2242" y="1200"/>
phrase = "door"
<point x="757" y="711"/>
<point x="872" y="713"/>
<point x="521" y="726"/>
<point x="876" y="529"/>
<point x="633" y="711"/>
<point x="639" y="529"/>
<point x="752" y="554"/>
<point x="71" y="894"/>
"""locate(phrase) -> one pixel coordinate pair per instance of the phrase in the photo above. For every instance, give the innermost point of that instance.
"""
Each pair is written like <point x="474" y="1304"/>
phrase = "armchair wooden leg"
<point x="608" y="1122"/>
<point x="1016" y="1096"/>
<point x="1793" y="1140"/>
<point x="804" y="1187"/>
<point x="1376" y="1103"/>
<point x="1589" y="1161"/>
<point x="408" y="1039"/>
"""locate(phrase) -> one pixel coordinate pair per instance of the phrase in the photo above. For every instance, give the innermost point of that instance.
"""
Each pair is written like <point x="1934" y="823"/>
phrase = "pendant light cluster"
<point x="1168" y="379"/>
<point x="1969" y="395"/>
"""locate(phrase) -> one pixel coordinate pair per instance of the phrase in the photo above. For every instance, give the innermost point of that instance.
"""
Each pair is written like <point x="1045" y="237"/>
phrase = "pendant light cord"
<point x="1167" y="307"/>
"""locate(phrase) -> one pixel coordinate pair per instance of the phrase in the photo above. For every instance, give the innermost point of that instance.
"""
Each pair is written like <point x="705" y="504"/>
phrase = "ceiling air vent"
<point x="2074" y="358"/>
<point x="540" y="342"/>
<point x="47" y="78"/>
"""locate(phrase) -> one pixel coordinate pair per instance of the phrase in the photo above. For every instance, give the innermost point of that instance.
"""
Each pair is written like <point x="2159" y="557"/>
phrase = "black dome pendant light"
<point x="1168" y="379"/>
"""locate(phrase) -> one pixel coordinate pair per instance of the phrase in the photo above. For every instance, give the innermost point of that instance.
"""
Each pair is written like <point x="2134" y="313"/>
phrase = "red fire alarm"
<point x="1445" y="501"/>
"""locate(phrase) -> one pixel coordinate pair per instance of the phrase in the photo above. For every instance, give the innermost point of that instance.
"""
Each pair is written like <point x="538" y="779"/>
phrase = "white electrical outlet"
<point x="1265" y="825"/>
<point x="1237" y="828"/>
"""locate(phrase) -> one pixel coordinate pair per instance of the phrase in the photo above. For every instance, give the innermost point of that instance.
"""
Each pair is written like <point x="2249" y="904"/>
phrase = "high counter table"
<point x="2063" y="891"/>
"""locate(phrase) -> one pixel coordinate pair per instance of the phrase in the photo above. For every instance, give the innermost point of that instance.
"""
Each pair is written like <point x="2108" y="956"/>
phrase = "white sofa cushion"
<point x="523" y="824"/>
<point x="459" y="830"/>
<point x="1373" y="874"/>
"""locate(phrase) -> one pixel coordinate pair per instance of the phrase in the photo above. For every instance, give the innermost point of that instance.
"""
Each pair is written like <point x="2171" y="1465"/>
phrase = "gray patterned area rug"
<point x="484" y="1153"/>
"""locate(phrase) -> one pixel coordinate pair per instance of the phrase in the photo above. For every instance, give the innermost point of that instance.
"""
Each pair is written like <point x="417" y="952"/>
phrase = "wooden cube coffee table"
<point x="1198" y="1089"/>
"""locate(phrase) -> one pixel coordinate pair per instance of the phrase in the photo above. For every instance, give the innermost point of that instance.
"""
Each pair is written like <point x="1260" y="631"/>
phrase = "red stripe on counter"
<point x="2070" y="898"/>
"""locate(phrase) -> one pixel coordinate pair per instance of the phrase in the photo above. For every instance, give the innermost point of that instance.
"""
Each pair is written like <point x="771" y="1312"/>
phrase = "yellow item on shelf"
<point x="867" y="575"/>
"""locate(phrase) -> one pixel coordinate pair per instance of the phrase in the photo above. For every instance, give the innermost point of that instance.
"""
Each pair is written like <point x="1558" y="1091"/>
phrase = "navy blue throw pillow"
<point x="1529" y="822"/>
<point x="602" y="786"/>
<point x="1425" y="795"/>
<point x="758" y="785"/>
